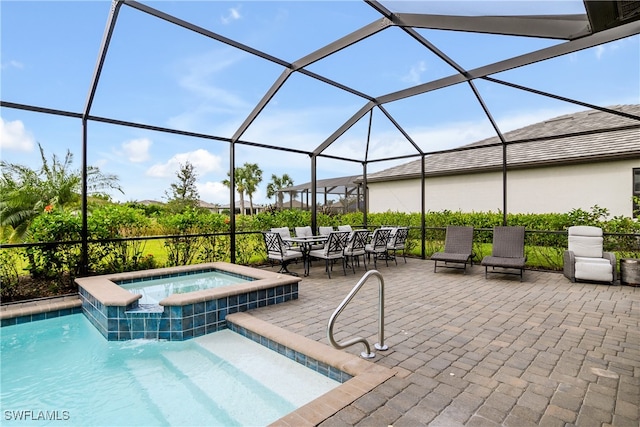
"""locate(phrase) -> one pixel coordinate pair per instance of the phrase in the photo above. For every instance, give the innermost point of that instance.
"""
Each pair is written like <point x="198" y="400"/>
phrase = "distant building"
<point x="568" y="169"/>
<point x="257" y="208"/>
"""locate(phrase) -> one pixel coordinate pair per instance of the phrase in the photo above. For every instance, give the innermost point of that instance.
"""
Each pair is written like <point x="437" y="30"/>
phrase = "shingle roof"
<point x="330" y="185"/>
<point x="621" y="143"/>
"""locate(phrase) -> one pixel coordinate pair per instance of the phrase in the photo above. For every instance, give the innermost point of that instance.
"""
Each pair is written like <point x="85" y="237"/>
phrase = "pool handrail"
<point x="380" y="345"/>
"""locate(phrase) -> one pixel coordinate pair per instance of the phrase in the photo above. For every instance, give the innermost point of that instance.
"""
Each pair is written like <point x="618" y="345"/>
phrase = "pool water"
<point x="155" y="290"/>
<point x="62" y="371"/>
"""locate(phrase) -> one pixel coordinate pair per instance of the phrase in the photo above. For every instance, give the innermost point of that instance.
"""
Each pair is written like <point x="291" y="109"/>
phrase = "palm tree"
<point x="26" y="193"/>
<point x="252" y="177"/>
<point x="239" y="174"/>
<point x="277" y="184"/>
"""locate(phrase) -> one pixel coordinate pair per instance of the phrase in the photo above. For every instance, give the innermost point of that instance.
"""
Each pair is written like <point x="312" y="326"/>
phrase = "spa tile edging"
<point x="358" y="376"/>
<point x="115" y="312"/>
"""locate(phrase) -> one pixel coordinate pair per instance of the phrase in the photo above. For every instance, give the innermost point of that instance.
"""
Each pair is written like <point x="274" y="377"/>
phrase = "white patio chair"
<point x="378" y="245"/>
<point x="332" y="251"/>
<point x="585" y="259"/>
<point x="397" y="242"/>
<point x="278" y="250"/>
<point x="356" y="248"/>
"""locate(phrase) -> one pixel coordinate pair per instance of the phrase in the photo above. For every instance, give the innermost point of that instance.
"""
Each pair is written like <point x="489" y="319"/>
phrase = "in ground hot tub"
<point x="118" y="315"/>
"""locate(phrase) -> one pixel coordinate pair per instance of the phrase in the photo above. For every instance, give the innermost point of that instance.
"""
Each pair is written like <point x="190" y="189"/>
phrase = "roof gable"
<point x="563" y="139"/>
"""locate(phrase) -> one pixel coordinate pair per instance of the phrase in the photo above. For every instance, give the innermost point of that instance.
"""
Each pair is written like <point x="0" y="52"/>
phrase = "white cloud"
<point x="213" y="192"/>
<point x="414" y="75"/>
<point x="203" y="161"/>
<point x="14" y="136"/>
<point x="233" y="15"/>
<point x="197" y="73"/>
<point x="137" y="150"/>
<point x="12" y="64"/>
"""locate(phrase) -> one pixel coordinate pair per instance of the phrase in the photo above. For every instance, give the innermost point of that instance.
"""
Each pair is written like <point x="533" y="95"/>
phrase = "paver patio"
<point x="481" y="352"/>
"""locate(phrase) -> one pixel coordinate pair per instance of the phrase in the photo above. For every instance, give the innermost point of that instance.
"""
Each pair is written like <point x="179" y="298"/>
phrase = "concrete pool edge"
<point x="365" y="374"/>
<point x="115" y="312"/>
<point x="106" y="290"/>
<point x="14" y="313"/>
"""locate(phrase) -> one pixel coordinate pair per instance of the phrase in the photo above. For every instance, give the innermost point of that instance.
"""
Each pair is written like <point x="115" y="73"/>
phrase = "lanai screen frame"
<point x="579" y="32"/>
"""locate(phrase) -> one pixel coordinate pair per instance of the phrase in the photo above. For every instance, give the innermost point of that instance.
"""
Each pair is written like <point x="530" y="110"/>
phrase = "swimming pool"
<point x="154" y="290"/>
<point x="61" y="371"/>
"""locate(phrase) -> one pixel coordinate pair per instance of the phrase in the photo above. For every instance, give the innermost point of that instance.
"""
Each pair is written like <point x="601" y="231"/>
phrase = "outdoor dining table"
<point x="305" y="243"/>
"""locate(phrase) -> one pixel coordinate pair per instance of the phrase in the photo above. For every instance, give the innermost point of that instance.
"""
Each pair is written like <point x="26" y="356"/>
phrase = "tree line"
<point x="26" y="193"/>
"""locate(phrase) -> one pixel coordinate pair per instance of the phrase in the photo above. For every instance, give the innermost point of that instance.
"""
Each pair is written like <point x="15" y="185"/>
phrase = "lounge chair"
<point x="278" y="250"/>
<point x="397" y="242"/>
<point x="458" y="248"/>
<point x="378" y="245"/>
<point x="355" y="248"/>
<point x="332" y="251"/>
<point x="507" y="252"/>
<point x="585" y="259"/>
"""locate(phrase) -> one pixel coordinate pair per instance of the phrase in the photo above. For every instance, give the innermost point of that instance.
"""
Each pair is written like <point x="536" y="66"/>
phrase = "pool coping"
<point x="118" y="315"/>
<point x="24" y="311"/>
<point x="105" y="290"/>
<point x="365" y="375"/>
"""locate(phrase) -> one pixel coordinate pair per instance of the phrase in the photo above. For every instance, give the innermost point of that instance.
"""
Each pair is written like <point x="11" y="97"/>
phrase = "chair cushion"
<point x="598" y="271"/>
<point x="344" y="228"/>
<point x="324" y="231"/>
<point x="580" y="259"/>
<point x="371" y="248"/>
<point x="322" y="253"/>
<point x="351" y="252"/>
<point x="585" y="230"/>
<point x="586" y="246"/>
<point x="304" y="231"/>
<point x="283" y="231"/>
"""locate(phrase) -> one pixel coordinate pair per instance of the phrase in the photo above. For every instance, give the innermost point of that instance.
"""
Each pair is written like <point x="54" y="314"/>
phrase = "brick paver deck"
<point x="481" y="352"/>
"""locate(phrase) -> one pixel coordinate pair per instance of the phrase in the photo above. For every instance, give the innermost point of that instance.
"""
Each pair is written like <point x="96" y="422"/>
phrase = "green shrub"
<point x="9" y="274"/>
<point x="54" y="260"/>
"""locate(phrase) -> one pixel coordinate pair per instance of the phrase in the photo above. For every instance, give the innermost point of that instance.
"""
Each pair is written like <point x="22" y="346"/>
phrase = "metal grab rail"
<point x="379" y="346"/>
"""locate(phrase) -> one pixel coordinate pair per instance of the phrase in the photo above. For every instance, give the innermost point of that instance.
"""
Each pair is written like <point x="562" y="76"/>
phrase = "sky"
<point x="160" y="74"/>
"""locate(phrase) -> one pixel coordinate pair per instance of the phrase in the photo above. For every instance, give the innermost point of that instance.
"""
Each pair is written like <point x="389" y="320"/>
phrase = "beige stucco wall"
<point x="539" y="190"/>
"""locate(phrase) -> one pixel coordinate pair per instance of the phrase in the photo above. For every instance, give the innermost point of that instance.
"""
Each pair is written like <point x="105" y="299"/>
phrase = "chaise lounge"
<point x="458" y="248"/>
<point x="507" y="252"/>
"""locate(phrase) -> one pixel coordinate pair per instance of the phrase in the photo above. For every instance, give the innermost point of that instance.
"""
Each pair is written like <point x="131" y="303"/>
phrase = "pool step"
<point x="244" y="400"/>
<point x="299" y="386"/>
<point x="167" y="392"/>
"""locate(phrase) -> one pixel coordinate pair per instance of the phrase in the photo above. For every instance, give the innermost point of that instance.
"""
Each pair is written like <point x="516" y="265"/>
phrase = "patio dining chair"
<point x="378" y="245"/>
<point x="308" y="232"/>
<point x="332" y="251"/>
<point x="278" y="250"/>
<point x="355" y="248"/>
<point x="507" y="252"/>
<point x="285" y="233"/>
<point x="458" y="248"/>
<point x="397" y="242"/>
<point x="324" y="231"/>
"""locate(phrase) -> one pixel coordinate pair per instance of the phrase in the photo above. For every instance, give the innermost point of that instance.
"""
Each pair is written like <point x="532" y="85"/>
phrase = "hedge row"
<point x="61" y="261"/>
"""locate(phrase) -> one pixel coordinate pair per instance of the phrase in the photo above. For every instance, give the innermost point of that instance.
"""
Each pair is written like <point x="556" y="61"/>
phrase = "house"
<point x="553" y="166"/>
<point x="257" y="208"/>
